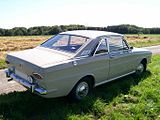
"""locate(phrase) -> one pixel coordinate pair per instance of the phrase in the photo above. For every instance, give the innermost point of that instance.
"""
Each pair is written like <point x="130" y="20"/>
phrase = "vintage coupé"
<point x="72" y="63"/>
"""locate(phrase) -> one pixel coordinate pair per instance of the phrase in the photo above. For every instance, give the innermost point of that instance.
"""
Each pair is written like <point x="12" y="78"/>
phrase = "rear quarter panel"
<point x="62" y="78"/>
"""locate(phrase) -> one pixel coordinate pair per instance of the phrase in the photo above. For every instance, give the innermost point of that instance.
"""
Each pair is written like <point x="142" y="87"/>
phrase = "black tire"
<point x="82" y="89"/>
<point x="141" y="68"/>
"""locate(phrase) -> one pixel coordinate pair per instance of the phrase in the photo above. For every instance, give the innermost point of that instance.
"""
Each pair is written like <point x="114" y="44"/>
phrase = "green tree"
<point x="55" y="30"/>
<point x="9" y="32"/>
<point x="19" y="31"/>
<point x="2" y="32"/>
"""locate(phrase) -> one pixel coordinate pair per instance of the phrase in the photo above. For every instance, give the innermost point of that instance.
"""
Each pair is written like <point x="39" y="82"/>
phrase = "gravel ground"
<point x="11" y="86"/>
<point x="6" y="87"/>
<point x="154" y="49"/>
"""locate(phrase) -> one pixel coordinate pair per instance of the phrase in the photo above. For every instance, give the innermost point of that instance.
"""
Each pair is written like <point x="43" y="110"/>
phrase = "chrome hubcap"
<point x="82" y="90"/>
<point x="140" y="68"/>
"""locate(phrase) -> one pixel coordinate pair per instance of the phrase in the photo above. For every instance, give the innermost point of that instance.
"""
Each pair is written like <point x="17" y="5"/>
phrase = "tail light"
<point x="37" y="76"/>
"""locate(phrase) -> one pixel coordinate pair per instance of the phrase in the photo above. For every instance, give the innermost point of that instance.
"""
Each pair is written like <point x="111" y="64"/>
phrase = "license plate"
<point x="22" y="75"/>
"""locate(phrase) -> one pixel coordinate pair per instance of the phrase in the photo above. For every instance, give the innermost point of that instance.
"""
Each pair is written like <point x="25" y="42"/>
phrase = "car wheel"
<point x="140" y="69"/>
<point x="81" y="90"/>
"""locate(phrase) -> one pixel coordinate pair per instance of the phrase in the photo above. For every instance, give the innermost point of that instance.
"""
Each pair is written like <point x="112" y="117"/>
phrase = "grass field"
<point x="16" y="43"/>
<point x="127" y="98"/>
<point x="143" y="40"/>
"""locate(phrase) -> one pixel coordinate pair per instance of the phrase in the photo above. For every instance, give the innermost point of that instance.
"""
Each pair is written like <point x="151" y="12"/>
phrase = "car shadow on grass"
<point x="24" y="105"/>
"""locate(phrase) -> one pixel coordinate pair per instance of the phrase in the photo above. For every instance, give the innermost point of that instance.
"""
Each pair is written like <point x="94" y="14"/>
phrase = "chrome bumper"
<point x="25" y="83"/>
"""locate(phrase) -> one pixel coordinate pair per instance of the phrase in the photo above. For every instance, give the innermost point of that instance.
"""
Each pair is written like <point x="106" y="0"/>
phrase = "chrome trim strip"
<point x="113" y="78"/>
<point x="81" y="57"/>
<point x="97" y="48"/>
<point x="107" y="41"/>
<point x="25" y="83"/>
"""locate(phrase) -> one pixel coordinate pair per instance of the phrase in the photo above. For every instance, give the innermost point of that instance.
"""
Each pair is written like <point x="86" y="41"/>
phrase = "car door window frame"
<point x="109" y="44"/>
<point x="97" y="46"/>
<point x="120" y="50"/>
<point x="125" y="42"/>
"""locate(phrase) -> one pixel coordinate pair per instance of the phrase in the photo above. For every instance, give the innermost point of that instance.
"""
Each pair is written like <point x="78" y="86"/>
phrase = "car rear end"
<point x="26" y="82"/>
<point x="29" y="68"/>
<point x="25" y="73"/>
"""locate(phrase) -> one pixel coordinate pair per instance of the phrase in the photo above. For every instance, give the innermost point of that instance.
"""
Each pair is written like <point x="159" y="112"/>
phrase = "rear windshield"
<point x="67" y="43"/>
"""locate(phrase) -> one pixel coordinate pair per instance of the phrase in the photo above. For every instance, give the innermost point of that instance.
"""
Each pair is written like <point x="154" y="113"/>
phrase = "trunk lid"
<point x="40" y="57"/>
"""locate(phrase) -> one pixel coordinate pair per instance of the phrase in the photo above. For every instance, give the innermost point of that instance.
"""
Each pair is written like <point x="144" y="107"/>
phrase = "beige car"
<point x="74" y="62"/>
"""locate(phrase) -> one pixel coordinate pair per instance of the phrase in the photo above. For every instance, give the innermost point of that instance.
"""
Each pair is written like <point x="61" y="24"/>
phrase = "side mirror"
<point x="131" y="47"/>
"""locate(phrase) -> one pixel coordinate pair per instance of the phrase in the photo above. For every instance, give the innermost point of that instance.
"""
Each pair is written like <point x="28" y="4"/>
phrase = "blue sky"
<point x="28" y="13"/>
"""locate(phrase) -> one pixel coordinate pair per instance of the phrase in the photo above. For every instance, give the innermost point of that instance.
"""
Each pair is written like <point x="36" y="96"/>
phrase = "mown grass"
<point x="147" y="43"/>
<point x="143" y="40"/>
<point x="127" y="98"/>
<point x="15" y="43"/>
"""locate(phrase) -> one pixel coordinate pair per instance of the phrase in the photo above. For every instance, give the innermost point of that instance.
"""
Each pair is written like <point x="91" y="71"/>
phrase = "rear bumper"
<point x="33" y="87"/>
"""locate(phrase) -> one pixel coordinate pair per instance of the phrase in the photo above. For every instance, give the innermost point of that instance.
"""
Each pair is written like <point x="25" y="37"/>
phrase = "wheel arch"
<point x="91" y="78"/>
<point x="144" y="61"/>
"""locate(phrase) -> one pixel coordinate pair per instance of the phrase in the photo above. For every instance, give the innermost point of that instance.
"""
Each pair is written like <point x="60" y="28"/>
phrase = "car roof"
<point x="91" y="33"/>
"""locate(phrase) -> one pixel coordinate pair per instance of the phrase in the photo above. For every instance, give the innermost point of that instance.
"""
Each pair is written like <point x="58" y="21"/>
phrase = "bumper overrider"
<point x="33" y="87"/>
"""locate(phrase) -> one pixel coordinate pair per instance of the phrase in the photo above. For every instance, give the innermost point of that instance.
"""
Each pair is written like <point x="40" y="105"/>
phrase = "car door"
<point x="97" y="64"/>
<point x="121" y="58"/>
<point x="102" y="61"/>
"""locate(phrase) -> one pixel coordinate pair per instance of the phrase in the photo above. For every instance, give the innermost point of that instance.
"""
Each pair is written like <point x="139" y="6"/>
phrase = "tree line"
<point x="52" y="30"/>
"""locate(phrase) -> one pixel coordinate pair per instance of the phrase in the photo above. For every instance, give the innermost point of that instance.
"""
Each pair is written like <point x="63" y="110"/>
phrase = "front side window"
<point x="102" y="47"/>
<point x="115" y="44"/>
<point x="67" y="43"/>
